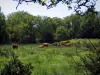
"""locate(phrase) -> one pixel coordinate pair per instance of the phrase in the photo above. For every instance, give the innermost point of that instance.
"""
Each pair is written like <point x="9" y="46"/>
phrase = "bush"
<point x="91" y="62"/>
<point x="16" y="67"/>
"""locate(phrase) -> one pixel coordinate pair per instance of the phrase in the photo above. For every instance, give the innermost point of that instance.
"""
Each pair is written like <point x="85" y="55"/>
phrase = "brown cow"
<point x="56" y="44"/>
<point x="69" y="44"/>
<point x="15" y="46"/>
<point x="41" y="46"/>
<point x="45" y="44"/>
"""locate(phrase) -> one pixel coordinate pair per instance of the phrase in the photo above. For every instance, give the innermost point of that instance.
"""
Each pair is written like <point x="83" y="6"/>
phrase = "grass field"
<point x="50" y="60"/>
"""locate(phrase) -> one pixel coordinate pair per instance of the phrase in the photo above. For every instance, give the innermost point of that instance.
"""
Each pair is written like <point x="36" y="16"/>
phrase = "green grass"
<point x="85" y="40"/>
<point x="50" y="60"/>
<point x="47" y="61"/>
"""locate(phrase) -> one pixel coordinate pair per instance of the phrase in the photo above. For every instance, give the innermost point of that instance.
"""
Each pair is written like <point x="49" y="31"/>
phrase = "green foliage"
<point x="89" y="25"/>
<point x="20" y="27"/>
<point x="51" y="60"/>
<point x="25" y="28"/>
<point x="16" y="67"/>
<point x="62" y="33"/>
<point x="73" y="25"/>
<point x="3" y="29"/>
<point x="28" y="28"/>
<point x="90" y="63"/>
<point x="5" y="52"/>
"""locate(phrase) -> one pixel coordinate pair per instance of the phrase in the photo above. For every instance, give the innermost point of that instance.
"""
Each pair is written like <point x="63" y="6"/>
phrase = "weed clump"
<point x="16" y="67"/>
<point x="90" y="63"/>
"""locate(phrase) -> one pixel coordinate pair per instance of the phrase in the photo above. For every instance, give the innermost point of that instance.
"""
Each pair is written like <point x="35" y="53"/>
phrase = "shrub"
<point x="16" y="67"/>
<point x="91" y="62"/>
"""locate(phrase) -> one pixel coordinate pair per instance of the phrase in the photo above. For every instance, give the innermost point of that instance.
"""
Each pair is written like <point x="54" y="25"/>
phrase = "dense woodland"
<point x="25" y="28"/>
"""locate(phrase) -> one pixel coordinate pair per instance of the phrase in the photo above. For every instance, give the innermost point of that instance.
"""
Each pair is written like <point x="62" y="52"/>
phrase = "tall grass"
<point x="50" y="60"/>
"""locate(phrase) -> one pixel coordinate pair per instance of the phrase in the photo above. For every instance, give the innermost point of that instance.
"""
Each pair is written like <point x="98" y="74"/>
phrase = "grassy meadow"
<point x="51" y="60"/>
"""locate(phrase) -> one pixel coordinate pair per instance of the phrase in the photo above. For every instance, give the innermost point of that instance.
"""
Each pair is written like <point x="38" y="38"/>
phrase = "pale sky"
<point x="61" y="10"/>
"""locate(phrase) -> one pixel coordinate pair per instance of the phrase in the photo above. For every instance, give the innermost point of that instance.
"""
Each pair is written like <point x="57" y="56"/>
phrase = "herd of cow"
<point x="15" y="45"/>
<point x="56" y="44"/>
<point x="43" y="45"/>
<point x="62" y="44"/>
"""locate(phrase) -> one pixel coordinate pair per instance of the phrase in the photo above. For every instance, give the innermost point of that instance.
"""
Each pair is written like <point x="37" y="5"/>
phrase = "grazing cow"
<point x="41" y="46"/>
<point x="45" y="44"/>
<point x="15" y="46"/>
<point x="56" y="44"/>
<point x="68" y="44"/>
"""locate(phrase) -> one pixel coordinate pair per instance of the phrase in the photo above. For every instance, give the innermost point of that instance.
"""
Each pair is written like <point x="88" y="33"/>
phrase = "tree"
<point x="89" y="26"/>
<point x="20" y="27"/>
<point x="44" y="28"/>
<point x="73" y="25"/>
<point x="3" y="29"/>
<point x="89" y="4"/>
<point x="97" y="27"/>
<point x="62" y="33"/>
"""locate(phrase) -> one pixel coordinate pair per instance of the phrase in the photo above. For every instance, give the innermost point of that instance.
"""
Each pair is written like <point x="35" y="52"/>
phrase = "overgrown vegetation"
<point x="90" y="63"/>
<point x="53" y="60"/>
<point x="14" y="65"/>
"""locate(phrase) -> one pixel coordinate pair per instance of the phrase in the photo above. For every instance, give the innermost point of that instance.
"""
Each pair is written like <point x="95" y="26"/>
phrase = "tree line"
<point x="25" y="28"/>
